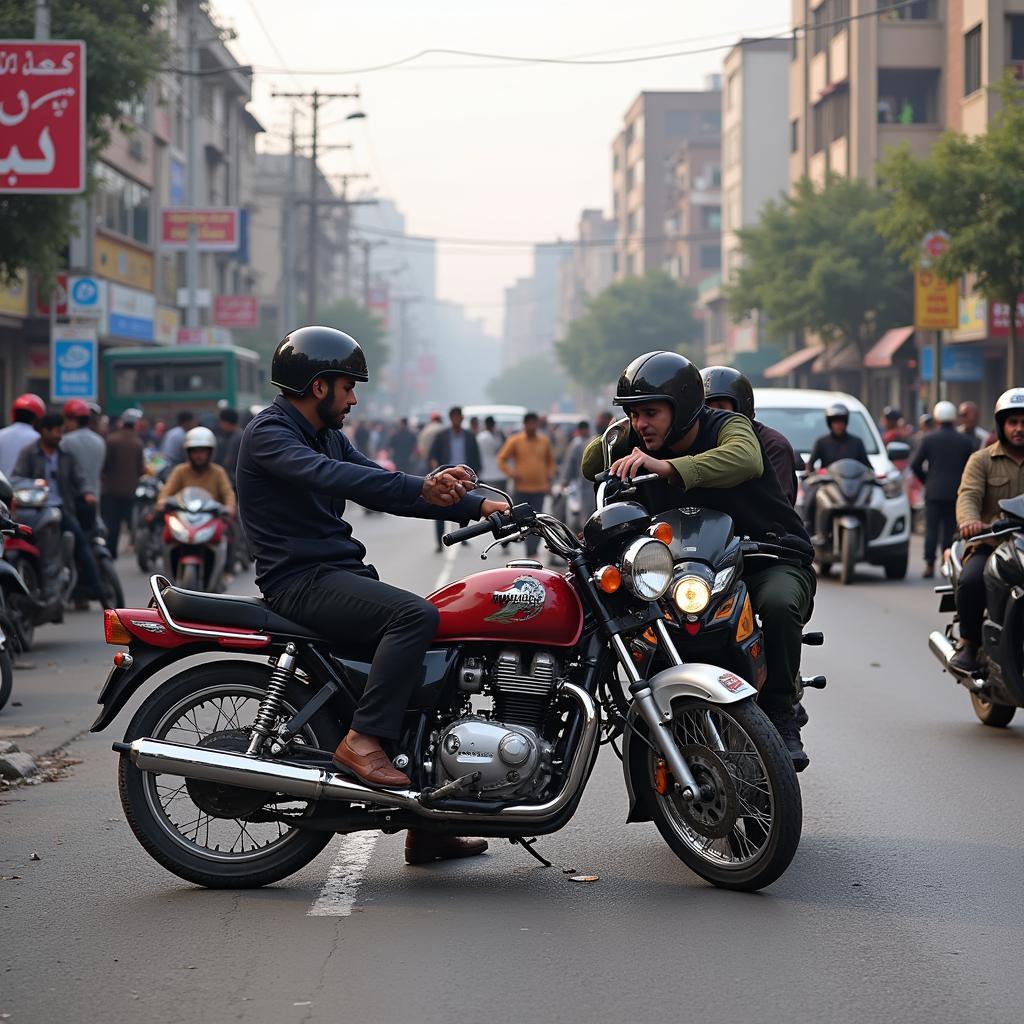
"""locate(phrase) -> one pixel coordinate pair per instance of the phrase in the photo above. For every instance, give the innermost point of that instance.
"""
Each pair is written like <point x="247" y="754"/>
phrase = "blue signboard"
<point x="73" y="363"/>
<point x="176" y="183"/>
<point x="962" y="364"/>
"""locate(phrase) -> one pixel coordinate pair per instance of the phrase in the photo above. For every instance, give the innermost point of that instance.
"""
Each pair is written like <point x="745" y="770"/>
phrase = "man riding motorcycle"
<point x="837" y="444"/>
<point x="992" y="473"/>
<point x="199" y="470"/>
<point x="712" y="458"/>
<point x="296" y="471"/>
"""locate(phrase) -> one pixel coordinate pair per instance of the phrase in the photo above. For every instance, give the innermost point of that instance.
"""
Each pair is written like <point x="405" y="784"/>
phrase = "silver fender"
<point x="706" y="682"/>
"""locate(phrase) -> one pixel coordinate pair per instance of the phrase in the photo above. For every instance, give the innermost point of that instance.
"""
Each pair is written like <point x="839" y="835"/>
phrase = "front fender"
<point x="706" y="682"/>
<point x="848" y="522"/>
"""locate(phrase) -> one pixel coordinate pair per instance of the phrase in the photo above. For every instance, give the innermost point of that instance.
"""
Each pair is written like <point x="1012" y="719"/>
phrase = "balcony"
<point x="909" y="96"/>
<point x="911" y="44"/>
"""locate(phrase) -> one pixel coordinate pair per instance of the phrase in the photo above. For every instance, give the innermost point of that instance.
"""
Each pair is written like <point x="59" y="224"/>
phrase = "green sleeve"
<point x="735" y="459"/>
<point x="593" y="459"/>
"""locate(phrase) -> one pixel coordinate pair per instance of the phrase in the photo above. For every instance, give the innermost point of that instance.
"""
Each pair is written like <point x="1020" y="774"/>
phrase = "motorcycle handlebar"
<point x="488" y="525"/>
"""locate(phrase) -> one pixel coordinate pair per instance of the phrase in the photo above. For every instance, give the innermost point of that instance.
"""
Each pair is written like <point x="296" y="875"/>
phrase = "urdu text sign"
<point x="935" y="302"/>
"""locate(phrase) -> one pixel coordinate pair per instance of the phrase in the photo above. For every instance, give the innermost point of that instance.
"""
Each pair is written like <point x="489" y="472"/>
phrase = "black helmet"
<point x="725" y="382"/>
<point x="663" y="377"/>
<point x="312" y="352"/>
<point x="837" y="411"/>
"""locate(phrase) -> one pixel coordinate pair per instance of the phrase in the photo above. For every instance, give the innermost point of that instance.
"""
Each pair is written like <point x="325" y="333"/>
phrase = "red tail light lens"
<point x="114" y="630"/>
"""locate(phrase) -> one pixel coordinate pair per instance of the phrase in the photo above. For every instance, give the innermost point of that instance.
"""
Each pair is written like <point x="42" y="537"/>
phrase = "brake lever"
<point x="501" y="540"/>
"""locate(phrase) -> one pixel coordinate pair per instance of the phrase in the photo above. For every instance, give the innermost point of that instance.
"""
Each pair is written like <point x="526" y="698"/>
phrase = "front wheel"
<point x="998" y="716"/>
<point x="189" y="578"/>
<point x="896" y="568"/>
<point x="113" y="593"/>
<point x="848" y="560"/>
<point x="744" y="831"/>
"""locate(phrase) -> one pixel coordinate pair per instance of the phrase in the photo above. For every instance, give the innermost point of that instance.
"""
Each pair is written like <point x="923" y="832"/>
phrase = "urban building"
<point x="693" y="226"/>
<point x="531" y="306"/>
<point x="588" y="269"/>
<point x="655" y="126"/>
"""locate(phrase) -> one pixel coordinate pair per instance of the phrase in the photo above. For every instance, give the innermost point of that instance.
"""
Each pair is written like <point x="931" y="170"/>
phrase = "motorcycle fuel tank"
<point x="518" y="604"/>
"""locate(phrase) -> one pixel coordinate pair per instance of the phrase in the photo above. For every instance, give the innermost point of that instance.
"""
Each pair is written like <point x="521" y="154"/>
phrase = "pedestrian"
<point x="527" y="458"/>
<point x="453" y="446"/>
<point x="968" y="414"/>
<point x="572" y="473"/>
<point x="25" y="412"/>
<point x="425" y="439"/>
<point x="489" y="441"/>
<point x="122" y="467"/>
<point x="89" y="449"/>
<point x="402" y="444"/>
<point x="172" y="446"/>
<point x="228" y="440"/>
<point x="939" y="464"/>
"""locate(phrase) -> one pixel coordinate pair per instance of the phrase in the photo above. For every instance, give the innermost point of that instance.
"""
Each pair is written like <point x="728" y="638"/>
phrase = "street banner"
<point x="999" y="319"/>
<point x="216" y="228"/>
<point x="961" y="364"/>
<point x="14" y="297"/>
<point x="132" y="313"/>
<point x="59" y="292"/>
<point x="42" y="117"/>
<point x="87" y="297"/>
<point x="935" y="302"/>
<point x="236" y="311"/>
<point x="73" y="363"/>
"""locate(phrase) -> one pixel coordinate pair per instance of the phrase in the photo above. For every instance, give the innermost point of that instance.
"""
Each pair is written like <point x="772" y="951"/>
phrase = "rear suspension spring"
<point x="270" y="706"/>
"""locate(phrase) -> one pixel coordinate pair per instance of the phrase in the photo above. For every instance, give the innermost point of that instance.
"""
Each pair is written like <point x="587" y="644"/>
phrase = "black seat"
<point x="226" y="610"/>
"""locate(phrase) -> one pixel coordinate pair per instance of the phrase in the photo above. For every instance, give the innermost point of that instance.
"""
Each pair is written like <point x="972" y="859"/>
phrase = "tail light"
<point x="114" y="630"/>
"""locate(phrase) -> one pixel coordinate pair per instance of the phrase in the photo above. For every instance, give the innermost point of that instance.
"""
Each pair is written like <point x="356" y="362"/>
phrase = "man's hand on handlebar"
<point x="443" y="489"/>
<point x="972" y="528"/>
<point x="490" y="506"/>
<point x="637" y="463"/>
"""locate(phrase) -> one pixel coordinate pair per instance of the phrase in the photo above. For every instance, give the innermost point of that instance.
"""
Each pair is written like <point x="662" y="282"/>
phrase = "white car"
<point x="799" y="415"/>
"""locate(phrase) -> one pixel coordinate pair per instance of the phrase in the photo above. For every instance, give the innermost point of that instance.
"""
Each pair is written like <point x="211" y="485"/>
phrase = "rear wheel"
<point x="998" y="716"/>
<point x="19" y="608"/>
<point x="220" y="836"/>
<point x="848" y="559"/>
<point x="6" y="676"/>
<point x="896" y="568"/>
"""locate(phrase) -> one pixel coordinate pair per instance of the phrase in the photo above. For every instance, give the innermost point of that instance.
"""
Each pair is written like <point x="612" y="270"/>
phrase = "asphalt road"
<point x="903" y="902"/>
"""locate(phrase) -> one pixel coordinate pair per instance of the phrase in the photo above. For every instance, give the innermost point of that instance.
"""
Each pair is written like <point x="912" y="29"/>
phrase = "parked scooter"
<point x="997" y="688"/>
<point x="147" y="523"/>
<point x="10" y="582"/>
<point x="195" y="540"/>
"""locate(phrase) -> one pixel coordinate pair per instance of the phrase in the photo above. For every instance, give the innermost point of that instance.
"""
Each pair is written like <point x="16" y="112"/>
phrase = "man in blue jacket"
<point x="296" y="470"/>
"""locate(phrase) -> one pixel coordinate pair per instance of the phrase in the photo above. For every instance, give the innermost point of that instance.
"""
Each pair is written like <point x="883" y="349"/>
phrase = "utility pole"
<point x="346" y="232"/>
<point x="315" y="98"/>
<point x="367" y="247"/>
<point x="404" y="352"/>
<point x="192" y="85"/>
<point x="42" y="19"/>
<point x="288" y="268"/>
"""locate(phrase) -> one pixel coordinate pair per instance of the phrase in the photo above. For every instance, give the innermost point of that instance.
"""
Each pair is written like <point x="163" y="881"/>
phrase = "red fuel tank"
<point x="519" y="605"/>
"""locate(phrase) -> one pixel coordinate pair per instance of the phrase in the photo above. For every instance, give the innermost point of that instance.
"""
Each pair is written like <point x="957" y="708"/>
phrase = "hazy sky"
<point x="467" y="148"/>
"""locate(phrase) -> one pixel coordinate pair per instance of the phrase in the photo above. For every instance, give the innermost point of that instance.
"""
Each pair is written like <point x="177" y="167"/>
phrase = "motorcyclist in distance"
<point x="199" y="470"/>
<point x="837" y="444"/>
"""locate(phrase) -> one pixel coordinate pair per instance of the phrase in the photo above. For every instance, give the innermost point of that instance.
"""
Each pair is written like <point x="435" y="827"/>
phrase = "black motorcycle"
<point x="997" y="688"/>
<point x="147" y="525"/>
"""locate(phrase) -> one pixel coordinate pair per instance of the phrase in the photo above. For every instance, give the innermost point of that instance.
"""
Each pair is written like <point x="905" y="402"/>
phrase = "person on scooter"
<point x="199" y="470"/>
<point x="296" y="471"/>
<point x="68" y="490"/>
<point x="991" y="474"/>
<point x="837" y="444"/>
<point x="711" y="458"/>
<point x="26" y="411"/>
<point x="726" y="388"/>
<point x="88" y="448"/>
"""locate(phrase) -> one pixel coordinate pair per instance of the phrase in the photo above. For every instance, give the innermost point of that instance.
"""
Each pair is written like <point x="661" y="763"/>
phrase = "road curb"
<point x="15" y="764"/>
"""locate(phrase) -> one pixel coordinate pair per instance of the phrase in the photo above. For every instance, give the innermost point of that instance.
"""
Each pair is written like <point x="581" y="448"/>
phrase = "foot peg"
<point x="813" y="682"/>
<point x="449" y="789"/>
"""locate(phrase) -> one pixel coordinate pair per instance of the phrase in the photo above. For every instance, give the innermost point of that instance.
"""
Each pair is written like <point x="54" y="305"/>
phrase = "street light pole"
<point x="192" y="254"/>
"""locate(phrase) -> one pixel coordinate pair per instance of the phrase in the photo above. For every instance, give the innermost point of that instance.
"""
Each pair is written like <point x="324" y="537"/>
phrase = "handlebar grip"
<point x="465" y="532"/>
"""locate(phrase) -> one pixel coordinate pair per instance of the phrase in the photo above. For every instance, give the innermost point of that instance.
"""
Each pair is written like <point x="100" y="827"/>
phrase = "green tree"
<point x="641" y="314"/>
<point x="974" y="190"/>
<point x="124" y="51"/>
<point x="533" y="382"/>
<point x="354" y="318"/>
<point x="816" y="262"/>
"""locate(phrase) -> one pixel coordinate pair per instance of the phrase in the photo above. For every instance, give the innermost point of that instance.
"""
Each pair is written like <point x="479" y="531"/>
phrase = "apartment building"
<point x="655" y="127"/>
<point x="588" y="269"/>
<point x="693" y="225"/>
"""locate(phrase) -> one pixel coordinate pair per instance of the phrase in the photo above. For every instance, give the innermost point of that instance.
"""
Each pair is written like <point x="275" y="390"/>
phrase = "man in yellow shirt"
<point x="199" y="470"/>
<point x="527" y="458"/>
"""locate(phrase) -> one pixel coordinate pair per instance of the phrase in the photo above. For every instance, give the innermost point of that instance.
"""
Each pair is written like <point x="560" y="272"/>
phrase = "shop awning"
<point x="792" y="362"/>
<point x="845" y="358"/>
<point x="879" y="356"/>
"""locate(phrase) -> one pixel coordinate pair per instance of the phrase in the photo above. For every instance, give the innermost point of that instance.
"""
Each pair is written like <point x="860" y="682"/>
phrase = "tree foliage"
<point x="816" y="262"/>
<point x="354" y="318"/>
<point x="640" y="314"/>
<point x="974" y="190"/>
<point x="124" y="51"/>
<point x="533" y="382"/>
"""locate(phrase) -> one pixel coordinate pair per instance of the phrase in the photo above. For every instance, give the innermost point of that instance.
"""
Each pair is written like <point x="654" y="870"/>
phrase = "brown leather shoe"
<point x="425" y="847"/>
<point x="375" y="769"/>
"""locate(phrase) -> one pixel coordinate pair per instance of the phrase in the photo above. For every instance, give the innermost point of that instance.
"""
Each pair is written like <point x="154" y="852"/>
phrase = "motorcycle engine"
<point x="512" y="760"/>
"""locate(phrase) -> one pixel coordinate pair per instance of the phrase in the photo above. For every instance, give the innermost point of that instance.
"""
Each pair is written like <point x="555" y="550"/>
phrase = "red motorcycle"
<point x="226" y="775"/>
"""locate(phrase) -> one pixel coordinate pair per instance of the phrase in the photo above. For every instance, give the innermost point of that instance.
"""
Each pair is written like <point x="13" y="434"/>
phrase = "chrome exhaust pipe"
<point x="940" y="646"/>
<point x="309" y="783"/>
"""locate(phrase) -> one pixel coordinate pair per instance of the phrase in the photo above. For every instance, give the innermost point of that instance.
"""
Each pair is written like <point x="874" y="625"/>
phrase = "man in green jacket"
<point x="711" y="458"/>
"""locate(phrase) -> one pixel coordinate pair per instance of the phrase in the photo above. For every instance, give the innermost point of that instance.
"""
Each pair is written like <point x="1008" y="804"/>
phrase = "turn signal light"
<point x="746" y="624"/>
<point x="725" y="611"/>
<point x="114" y="630"/>
<point x="662" y="532"/>
<point x="608" y="579"/>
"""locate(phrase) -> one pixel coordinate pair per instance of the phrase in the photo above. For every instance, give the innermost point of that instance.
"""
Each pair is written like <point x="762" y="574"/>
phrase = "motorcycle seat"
<point x="228" y="610"/>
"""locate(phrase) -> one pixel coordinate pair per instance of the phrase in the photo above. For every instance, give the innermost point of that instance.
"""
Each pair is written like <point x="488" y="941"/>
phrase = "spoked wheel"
<point x="215" y="835"/>
<point x="744" y="831"/>
<point x="998" y="716"/>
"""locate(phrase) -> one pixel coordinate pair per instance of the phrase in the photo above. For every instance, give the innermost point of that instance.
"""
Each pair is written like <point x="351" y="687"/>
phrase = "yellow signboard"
<point x="935" y="302"/>
<point x="14" y="297"/>
<point x="124" y="264"/>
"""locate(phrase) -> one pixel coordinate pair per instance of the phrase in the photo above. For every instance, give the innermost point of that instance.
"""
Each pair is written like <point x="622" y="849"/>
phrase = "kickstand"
<point x="528" y="846"/>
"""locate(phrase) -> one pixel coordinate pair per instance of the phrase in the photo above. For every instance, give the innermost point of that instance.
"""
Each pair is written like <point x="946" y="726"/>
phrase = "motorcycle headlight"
<point x="647" y="568"/>
<point x="723" y="579"/>
<point x="205" y="534"/>
<point x="892" y="485"/>
<point x="179" y="531"/>
<point x="30" y="496"/>
<point x="691" y="595"/>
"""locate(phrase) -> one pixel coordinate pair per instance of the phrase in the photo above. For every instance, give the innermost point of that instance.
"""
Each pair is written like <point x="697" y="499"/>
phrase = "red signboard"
<point x="42" y="116"/>
<point x="216" y="228"/>
<point x="999" y="318"/>
<point x="59" y="291"/>
<point x="236" y="311"/>
<point x="378" y="304"/>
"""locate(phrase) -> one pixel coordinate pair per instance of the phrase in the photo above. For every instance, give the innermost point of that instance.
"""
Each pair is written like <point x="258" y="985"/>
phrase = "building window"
<point x="710" y="257"/>
<point x="1015" y="32"/>
<point x="711" y="218"/>
<point x="908" y="97"/>
<point x="710" y="122"/>
<point x="819" y="16"/>
<point x="831" y="120"/>
<point x="838" y="14"/>
<point x="794" y="135"/>
<point x="122" y="205"/>
<point x="920" y="10"/>
<point x="972" y="61"/>
<point x="678" y="124"/>
<point x="794" y="49"/>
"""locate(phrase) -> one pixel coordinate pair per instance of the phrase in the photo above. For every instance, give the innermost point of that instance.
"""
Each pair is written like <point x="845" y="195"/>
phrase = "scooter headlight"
<point x="647" y="568"/>
<point x="179" y="531"/>
<point x="691" y="595"/>
<point x="892" y="485"/>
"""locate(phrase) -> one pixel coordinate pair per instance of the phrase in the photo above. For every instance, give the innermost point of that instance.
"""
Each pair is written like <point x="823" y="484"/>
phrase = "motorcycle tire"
<point x="778" y="845"/>
<point x="848" y="560"/>
<point x="997" y="716"/>
<point x="896" y="568"/>
<point x="189" y="578"/>
<point x="21" y="613"/>
<point x="142" y="557"/>
<point x="6" y="677"/>
<point x="113" y="592"/>
<point x="139" y="790"/>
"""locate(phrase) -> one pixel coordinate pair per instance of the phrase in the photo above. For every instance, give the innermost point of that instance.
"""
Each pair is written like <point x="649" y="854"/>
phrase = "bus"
<point x="164" y="380"/>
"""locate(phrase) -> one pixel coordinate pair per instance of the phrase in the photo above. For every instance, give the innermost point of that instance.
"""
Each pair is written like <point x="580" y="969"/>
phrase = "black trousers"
<point x="939" y="526"/>
<point x="536" y="502"/>
<point x="355" y="608"/>
<point x="117" y="512"/>
<point x="970" y="597"/>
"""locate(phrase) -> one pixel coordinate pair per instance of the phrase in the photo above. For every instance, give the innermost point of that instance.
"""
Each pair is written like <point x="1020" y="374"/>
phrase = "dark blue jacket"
<point x="940" y="461"/>
<point x="293" y="483"/>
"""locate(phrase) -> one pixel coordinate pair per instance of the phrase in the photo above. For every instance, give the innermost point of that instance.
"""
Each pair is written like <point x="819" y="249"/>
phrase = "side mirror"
<point x="611" y="437"/>
<point x="898" y="451"/>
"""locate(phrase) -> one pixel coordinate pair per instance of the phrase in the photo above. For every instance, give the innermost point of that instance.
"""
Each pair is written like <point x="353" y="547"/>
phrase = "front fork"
<point x="660" y="724"/>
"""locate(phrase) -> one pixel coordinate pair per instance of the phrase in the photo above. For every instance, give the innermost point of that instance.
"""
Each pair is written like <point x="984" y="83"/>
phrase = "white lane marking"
<point x="339" y="893"/>
<point x="450" y="554"/>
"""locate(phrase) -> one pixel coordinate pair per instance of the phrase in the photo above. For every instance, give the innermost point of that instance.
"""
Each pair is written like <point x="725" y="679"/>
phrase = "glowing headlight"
<point x="205" y="534"/>
<point x="691" y="595"/>
<point x="892" y="486"/>
<point x="30" y="496"/>
<point x="647" y="568"/>
<point x="179" y="531"/>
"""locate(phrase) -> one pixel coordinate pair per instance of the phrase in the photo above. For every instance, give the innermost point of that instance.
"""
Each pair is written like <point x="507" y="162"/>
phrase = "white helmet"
<point x="200" y="437"/>
<point x="1010" y="401"/>
<point x="944" y="412"/>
